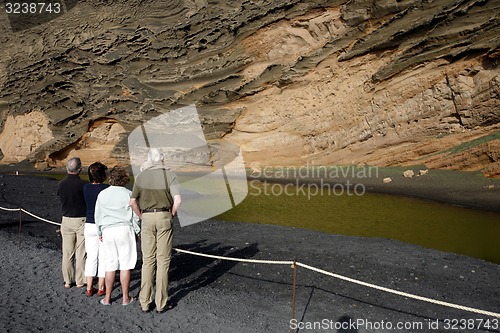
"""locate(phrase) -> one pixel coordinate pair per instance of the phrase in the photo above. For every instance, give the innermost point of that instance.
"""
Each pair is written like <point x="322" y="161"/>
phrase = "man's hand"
<point x="177" y="203"/>
<point x="135" y="207"/>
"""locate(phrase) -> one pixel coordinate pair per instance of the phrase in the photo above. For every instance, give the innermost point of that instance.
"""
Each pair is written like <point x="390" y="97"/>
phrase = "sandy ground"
<point x="224" y="296"/>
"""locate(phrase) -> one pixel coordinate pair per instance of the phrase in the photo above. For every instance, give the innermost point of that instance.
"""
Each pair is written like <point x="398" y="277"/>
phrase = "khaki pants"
<point x="156" y="246"/>
<point x="73" y="250"/>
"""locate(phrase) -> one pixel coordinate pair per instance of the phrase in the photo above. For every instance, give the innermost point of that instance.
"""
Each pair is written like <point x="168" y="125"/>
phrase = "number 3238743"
<point x="32" y="8"/>
<point x="471" y="324"/>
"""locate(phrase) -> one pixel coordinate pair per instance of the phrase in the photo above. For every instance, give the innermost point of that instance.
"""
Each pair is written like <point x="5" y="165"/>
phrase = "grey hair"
<point x="155" y="155"/>
<point x="74" y="165"/>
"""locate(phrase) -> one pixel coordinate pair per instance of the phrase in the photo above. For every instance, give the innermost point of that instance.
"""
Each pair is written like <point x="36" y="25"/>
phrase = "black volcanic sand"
<point x="225" y="296"/>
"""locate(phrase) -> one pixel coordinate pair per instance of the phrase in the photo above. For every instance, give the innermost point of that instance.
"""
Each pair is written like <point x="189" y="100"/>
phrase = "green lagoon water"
<point x="433" y="225"/>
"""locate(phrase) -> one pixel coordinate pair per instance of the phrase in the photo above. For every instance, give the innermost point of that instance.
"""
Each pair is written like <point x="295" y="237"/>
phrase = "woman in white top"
<point x="118" y="227"/>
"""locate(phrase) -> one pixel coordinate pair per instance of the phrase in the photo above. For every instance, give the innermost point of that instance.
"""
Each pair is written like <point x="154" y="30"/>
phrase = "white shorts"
<point x="120" y="248"/>
<point x="95" y="252"/>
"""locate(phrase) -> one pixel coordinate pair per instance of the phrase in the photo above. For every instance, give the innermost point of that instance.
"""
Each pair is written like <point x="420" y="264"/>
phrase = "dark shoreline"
<point x="460" y="188"/>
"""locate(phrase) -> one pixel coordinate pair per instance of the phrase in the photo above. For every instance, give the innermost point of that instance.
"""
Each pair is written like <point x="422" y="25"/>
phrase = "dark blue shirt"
<point x="90" y="192"/>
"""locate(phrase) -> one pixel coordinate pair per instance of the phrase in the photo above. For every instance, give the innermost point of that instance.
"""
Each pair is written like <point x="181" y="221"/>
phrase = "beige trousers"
<point x="156" y="246"/>
<point x="73" y="250"/>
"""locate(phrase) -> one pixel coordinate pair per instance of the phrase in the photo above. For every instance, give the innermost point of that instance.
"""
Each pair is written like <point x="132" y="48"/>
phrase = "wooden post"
<point x="20" y="225"/>
<point x="294" y="291"/>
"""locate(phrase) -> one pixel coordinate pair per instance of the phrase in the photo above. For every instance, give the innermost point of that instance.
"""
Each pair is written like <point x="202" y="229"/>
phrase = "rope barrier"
<point x="270" y="262"/>
<point x="295" y="263"/>
<point x="10" y="209"/>
<point x="400" y="293"/>
<point x="31" y="214"/>
<point x="40" y="218"/>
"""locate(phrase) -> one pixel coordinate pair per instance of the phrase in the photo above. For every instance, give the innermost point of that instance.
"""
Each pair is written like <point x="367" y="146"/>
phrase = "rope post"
<point x="294" y="266"/>
<point x="20" y="226"/>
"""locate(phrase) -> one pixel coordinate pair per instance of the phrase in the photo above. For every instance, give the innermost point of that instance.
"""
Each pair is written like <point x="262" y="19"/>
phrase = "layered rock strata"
<point x="290" y="82"/>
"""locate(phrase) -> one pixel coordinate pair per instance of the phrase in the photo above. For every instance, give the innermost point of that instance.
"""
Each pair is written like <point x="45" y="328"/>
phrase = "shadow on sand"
<point x="203" y="270"/>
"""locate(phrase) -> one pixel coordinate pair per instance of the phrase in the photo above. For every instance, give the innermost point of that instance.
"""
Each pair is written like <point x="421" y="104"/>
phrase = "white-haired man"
<point x="155" y="199"/>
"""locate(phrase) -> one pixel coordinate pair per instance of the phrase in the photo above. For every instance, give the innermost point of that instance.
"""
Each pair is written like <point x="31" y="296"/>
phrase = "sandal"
<point x="90" y="292"/>
<point x="102" y="302"/>
<point x="132" y="299"/>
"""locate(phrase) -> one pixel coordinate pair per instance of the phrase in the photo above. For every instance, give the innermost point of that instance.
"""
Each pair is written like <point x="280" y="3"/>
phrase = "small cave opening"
<point x="96" y="145"/>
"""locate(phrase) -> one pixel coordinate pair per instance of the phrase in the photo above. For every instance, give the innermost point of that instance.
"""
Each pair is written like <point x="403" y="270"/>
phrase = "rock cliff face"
<point x="386" y="82"/>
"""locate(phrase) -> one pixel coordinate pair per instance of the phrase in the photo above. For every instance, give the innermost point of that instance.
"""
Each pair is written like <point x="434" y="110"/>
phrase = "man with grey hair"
<point x="70" y="192"/>
<point x="155" y="199"/>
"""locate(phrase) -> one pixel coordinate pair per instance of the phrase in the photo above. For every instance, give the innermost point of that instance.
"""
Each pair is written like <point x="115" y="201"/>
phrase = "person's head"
<point x="97" y="172"/>
<point x="155" y="155"/>
<point x="74" y="165"/>
<point x="118" y="176"/>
